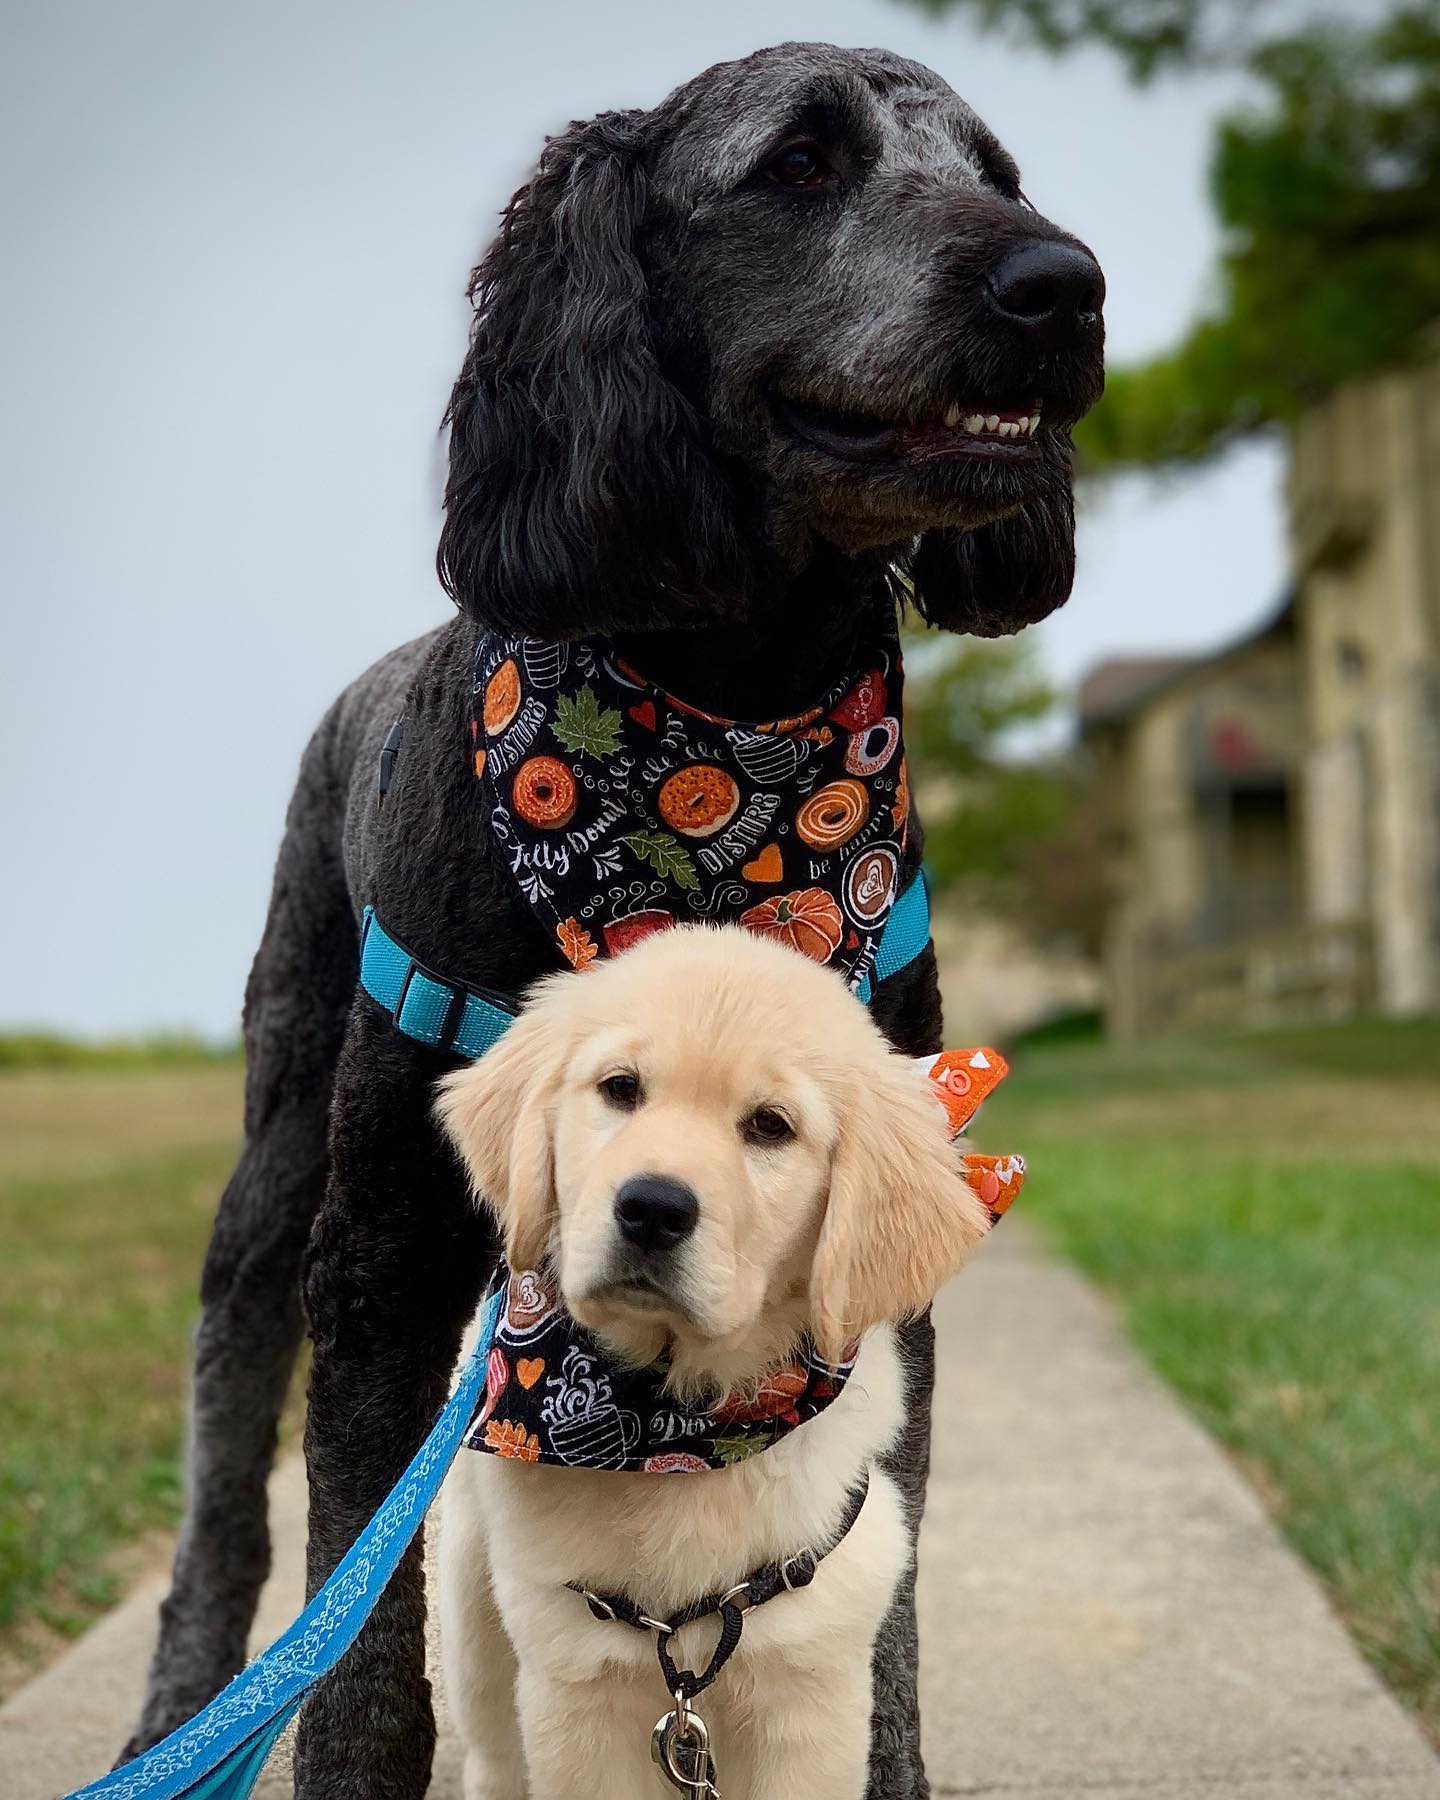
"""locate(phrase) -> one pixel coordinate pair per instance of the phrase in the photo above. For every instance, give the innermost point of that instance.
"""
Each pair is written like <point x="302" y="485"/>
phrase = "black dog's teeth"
<point x="973" y="421"/>
<point x="993" y="424"/>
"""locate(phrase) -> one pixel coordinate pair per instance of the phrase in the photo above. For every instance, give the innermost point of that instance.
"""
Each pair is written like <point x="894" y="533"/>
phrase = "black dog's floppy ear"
<point x="582" y="496"/>
<point x="999" y="578"/>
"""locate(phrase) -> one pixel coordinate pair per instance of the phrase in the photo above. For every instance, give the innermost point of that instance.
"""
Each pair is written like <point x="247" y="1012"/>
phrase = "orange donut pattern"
<point x="871" y="748"/>
<point x="698" y="800"/>
<point x="544" y="793"/>
<point x="622" y="810"/>
<point x="833" y="816"/>
<point x="502" y="697"/>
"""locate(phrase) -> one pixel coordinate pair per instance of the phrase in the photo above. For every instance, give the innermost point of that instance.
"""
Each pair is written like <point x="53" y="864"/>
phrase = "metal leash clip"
<point x="680" y="1746"/>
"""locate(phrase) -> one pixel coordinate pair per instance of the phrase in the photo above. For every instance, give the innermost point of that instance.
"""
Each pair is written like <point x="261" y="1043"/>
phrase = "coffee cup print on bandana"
<point x="529" y="1305"/>
<point x="765" y="757"/>
<point x="585" y="1427"/>
<point x="545" y="662"/>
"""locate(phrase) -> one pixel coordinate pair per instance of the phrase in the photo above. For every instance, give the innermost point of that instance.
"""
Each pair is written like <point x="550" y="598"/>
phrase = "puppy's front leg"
<point x="478" y="1657"/>
<point x="813" y="1743"/>
<point x="590" y="1735"/>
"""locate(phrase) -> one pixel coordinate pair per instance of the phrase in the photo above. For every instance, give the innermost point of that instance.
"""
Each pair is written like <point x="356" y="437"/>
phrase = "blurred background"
<point x="1187" y="832"/>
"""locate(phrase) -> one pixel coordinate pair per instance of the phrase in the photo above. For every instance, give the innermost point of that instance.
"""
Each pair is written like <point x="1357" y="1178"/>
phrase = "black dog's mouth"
<point x="964" y="429"/>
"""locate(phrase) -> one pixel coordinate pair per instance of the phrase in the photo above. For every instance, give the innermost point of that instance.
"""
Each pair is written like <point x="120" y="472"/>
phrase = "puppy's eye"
<point x="766" y="1126"/>
<point x="622" y="1090"/>
<point x="800" y="166"/>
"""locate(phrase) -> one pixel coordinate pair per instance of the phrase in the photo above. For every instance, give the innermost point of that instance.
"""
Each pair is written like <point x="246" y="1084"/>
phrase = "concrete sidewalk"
<point x="1105" y="1610"/>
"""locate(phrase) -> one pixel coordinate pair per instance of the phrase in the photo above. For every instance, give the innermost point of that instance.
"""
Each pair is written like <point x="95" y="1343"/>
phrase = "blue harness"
<point x="218" y="1755"/>
<point x="468" y="1021"/>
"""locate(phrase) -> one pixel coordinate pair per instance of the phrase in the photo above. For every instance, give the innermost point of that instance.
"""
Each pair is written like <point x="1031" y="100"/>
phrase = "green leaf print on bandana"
<point x="583" y="728"/>
<point x="732" y="1450"/>
<point x="665" y="856"/>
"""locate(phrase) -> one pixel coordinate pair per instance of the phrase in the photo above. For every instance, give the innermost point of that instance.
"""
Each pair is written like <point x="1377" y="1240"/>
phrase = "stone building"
<point x="1273" y="810"/>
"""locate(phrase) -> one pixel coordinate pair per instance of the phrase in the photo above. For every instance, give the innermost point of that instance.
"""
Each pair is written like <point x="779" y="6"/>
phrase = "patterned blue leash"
<point x="218" y="1755"/>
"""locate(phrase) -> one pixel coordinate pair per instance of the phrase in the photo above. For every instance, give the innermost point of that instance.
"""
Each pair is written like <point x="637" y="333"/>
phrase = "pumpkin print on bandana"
<point x="621" y="810"/>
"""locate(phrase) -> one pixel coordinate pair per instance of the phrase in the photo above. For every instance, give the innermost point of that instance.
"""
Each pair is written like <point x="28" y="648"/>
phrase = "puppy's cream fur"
<point x="851" y="1220"/>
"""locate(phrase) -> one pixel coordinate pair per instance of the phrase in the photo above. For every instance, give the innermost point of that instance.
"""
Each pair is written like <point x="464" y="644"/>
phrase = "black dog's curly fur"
<point x="662" y="313"/>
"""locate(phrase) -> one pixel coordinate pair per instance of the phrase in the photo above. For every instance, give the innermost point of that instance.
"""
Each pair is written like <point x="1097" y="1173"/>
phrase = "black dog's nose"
<point x="654" y="1212"/>
<point x="1054" y="291"/>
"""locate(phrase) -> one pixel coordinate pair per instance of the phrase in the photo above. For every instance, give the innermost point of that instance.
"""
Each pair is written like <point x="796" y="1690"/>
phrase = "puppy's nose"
<point x="1053" y="291"/>
<point x="654" y="1212"/>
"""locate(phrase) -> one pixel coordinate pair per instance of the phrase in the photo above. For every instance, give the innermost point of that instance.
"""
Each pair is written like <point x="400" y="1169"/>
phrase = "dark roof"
<point x="1116" y="688"/>
<point x="1112" y="688"/>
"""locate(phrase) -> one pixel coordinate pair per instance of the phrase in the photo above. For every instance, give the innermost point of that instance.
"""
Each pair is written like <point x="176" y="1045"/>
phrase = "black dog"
<point x="740" y="366"/>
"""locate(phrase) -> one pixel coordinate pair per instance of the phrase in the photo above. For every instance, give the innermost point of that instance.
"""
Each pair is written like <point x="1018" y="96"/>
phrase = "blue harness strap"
<point x="424" y="1005"/>
<point x="906" y="933"/>
<point x="438" y="1012"/>
<point x="218" y="1755"/>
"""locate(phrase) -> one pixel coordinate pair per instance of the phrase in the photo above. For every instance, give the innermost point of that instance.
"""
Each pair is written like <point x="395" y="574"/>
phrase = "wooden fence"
<point x="1272" y="978"/>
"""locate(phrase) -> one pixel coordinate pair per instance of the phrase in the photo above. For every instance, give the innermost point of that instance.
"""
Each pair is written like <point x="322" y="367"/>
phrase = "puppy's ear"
<point x="583" y="495"/>
<point x="998" y="579"/>
<point x="901" y="1217"/>
<point x="498" y="1113"/>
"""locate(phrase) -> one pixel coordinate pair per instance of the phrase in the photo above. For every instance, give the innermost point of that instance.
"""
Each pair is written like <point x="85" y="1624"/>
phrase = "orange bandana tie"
<point x="961" y="1081"/>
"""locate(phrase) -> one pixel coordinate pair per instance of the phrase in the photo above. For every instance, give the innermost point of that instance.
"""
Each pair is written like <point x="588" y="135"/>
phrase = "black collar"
<point x="786" y="1576"/>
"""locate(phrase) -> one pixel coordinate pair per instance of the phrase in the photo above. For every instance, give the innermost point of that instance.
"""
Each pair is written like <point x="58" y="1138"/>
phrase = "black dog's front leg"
<point x="394" y="1270"/>
<point x="907" y="1010"/>
<point x="897" y="1771"/>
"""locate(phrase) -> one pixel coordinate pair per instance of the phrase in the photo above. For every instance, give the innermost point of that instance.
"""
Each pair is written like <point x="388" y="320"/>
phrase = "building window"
<point x="1350" y="659"/>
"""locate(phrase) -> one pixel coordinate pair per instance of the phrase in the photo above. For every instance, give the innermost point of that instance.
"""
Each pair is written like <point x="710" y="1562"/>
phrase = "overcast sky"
<point x="235" y="243"/>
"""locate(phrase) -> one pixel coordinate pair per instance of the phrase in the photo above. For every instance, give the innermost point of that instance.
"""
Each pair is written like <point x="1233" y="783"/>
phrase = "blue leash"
<point x="218" y="1755"/>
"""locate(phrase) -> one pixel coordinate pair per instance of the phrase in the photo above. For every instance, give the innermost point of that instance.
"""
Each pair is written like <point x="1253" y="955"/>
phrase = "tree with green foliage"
<point x="1150" y="36"/>
<point x="1017" y="838"/>
<point x="1328" y="190"/>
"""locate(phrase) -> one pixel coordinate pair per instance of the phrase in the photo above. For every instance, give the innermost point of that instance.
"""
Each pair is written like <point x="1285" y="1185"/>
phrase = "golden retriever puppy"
<point x="716" y="1157"/>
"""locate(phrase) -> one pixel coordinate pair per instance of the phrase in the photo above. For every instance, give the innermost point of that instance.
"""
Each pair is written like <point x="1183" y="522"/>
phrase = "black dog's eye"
<point x="766" y="1126"/>
<point x="1001" y="170"/>
<point x="800" y="166"/>
<point x="622" y="1090"/>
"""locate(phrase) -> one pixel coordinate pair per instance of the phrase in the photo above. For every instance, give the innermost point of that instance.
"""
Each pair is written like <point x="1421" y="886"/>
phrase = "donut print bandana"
<point x="554" y="1394"/>
<point x="621" y="810"/>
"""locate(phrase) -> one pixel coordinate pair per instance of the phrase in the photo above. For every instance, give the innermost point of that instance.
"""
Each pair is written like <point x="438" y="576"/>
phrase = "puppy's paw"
<point x="488" y="1777"/>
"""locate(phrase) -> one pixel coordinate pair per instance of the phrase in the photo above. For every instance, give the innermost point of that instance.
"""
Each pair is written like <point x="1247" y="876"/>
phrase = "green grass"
<point x="1265" y="1213"/>
<point x="51" y="1050"/>
<point x="108" y="1182"/>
